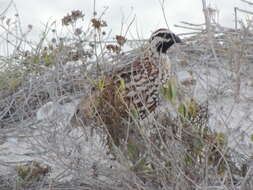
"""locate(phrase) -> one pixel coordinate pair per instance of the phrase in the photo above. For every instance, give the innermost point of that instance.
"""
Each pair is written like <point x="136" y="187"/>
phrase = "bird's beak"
<point x="177" y="39"/>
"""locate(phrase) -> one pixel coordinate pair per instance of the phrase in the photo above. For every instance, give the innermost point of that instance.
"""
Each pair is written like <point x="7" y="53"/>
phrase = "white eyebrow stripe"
<point x="160" y="31"/>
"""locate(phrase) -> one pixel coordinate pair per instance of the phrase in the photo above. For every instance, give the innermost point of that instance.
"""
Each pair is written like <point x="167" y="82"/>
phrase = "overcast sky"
<point x="148" y="13"/>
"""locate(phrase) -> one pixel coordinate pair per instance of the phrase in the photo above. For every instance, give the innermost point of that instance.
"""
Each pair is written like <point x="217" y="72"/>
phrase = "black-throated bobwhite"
<point x="133" y="85"/>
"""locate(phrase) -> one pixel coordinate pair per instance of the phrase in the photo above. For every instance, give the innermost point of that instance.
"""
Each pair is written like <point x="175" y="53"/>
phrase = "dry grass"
<point x="174" y="148"/>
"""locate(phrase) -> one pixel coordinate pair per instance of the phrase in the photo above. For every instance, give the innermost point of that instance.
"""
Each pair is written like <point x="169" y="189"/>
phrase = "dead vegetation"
<point x="178" y="147"/>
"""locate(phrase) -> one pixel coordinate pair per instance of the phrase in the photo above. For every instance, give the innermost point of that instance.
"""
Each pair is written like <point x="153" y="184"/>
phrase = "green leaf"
<point x="192" y="108"/>
<point x="133" y="152"/>
<point x="122" y="85"/>
<point x="182" y="109"/>
<point x="251" y="137"/>
<point x="48" y="60"/>
<point x="169" y="90"/>
<point x="101" y="84"/>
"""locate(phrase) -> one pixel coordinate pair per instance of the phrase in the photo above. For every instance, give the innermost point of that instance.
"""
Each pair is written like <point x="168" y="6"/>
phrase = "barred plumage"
<point x="201" y="116"/>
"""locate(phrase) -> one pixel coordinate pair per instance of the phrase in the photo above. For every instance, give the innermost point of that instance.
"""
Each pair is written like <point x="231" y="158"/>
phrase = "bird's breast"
<point x="143" y="81"/>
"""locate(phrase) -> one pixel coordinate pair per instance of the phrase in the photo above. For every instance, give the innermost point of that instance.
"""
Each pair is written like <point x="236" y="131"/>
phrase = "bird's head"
<point x="162" y="39"/>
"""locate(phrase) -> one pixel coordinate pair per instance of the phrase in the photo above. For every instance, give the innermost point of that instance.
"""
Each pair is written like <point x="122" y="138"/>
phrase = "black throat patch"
<point x="162" y="47"/>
